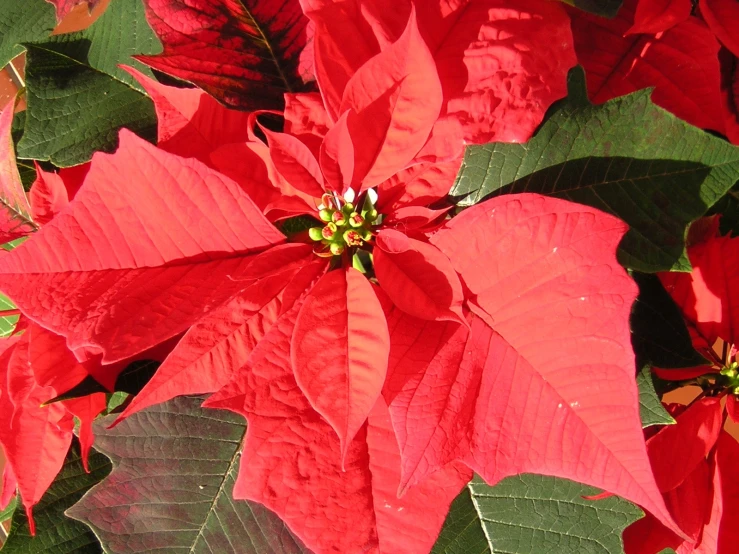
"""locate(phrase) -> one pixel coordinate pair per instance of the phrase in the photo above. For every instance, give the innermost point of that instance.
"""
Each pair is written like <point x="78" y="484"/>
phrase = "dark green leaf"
<point x="174" y="467"/>
<point x="78" y="98"/>
<point x="728" y="207"/>
<point x="26" y="169"/>
<point x="658" y="332"/>
<point x="534" y="514"/>
<point x="55" y="532"/>
<point x="23" y="21"/>
<point x="605" y="8"/>
<point x="650" y="407"/>
<point x="626" y="157"/>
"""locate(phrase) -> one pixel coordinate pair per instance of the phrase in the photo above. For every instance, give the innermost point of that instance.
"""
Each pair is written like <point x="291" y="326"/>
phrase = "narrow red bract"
<point x="339" y="350"/>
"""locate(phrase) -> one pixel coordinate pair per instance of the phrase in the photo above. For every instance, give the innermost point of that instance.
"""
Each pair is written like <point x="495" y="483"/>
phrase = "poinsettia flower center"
<point x="345" y="226"/>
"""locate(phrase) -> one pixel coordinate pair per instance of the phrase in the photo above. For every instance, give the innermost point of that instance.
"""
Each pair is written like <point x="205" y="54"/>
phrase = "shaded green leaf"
<point x="626" y="157"/>
<point x="77" y="96"/>
<point x="55" y="532"/>
<point x="23" y="21"/>
<point x="533" y="514"/>
<point x="605" y="8"/>
<point x="728" y="207"/>
<point x="658" y="332"/>
<point x="118" y="34"/>
<point x="177" y="463"/>
<point x="650" y="407"/>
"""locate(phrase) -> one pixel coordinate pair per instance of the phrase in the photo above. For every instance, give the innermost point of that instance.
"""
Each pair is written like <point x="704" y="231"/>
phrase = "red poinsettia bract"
<point x="389" y="348"/>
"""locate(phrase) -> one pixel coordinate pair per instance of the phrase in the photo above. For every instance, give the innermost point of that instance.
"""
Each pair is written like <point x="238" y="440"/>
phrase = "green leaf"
<point x="728" y="207"/>
<point x="659" y="334"/>
<point x="7" y="324"/>
<point x="78" y="98"/>
<point x="23" y="21"/>
<point x="55" y="532"/>
<point x="605" y="8"/>
<point x="533" y="514"/>
<point x="9" y="510"/>
<point x="118" y="34"/>
<point x="650" y="407"/>
<point x="626" y="157"/>
<point x="26" y="169"/>
<point x="177" y="463"/>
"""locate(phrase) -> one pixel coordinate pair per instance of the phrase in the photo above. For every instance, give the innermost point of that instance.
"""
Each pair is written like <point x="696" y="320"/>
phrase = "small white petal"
<point x="372" y="193"/>
<point x="349" y="195"/>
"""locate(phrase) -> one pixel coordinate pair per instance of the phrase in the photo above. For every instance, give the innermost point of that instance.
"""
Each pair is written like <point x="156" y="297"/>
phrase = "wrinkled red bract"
<point x="313" y="499"/>
<point x="339" y="350"/>
<point x="465" y="390"/>
<point x="495" y="86"/>
<point x="244" y="53"/>
<point x="144" y="257"/>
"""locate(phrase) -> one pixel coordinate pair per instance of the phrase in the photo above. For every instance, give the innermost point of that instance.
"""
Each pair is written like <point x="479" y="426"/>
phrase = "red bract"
<point x="500" y="67"/>
<point x="292" y="463"/>
<point x="708" y="295"/>
<point x="34" y="368"/>
<point x="385" y="347"/>
<point x="244" y="53"/>
<point x="694" y="461"/>
<point x="656" y="16"/>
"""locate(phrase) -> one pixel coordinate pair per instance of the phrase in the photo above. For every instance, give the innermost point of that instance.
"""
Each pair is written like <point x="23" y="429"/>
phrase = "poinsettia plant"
<point x="367" y="276"/>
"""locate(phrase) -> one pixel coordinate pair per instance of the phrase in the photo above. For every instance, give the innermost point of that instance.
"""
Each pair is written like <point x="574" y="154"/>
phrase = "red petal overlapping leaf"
<point x="15" y="220"/>
<point x="48" y="195"/>
<point x="190" y="123"/>
<point x="681" y="64"/>
<point x="500" y="67"/>
<point x="339" y="350"/>
<point x="656" y="16"/>
<point x="503" y="399"/>
<point x="63" y="7"/>
<point x="291" y="463"/>
<point x="167" y="253"/>
<point x="708" y="296"/>
<point x="246" y="53"/>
